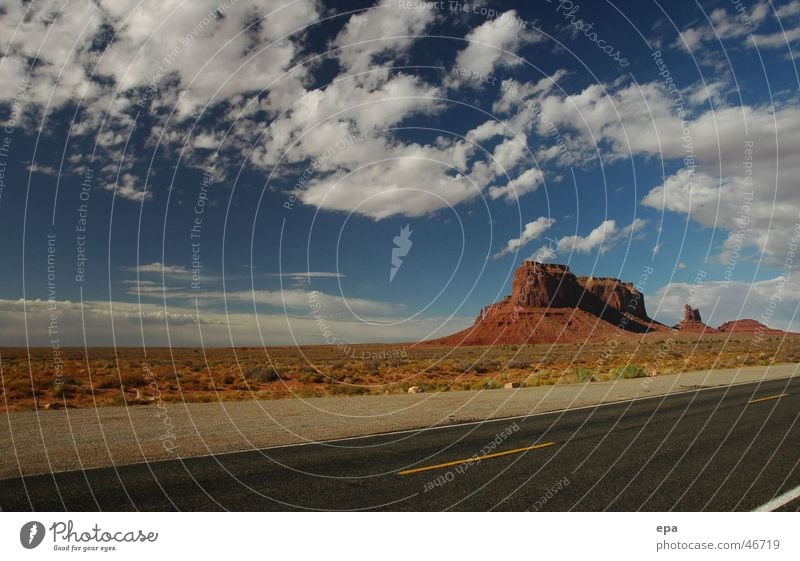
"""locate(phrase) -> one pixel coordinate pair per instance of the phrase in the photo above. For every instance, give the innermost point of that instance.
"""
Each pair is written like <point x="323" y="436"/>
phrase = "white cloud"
<point x="532" y="231"/>
<point x="491" y="44"/>
<point x="603" y="238"/>
<point x="789" y="10"/>
<point x="386" y="29"/>
<point x="724" y="24"/>
<point x="410" y="186"/>
<point x="175" y="271"/>
<point x="527" y="182"/>
<point x="740" y="176"/>
<point x="778" y="39"/>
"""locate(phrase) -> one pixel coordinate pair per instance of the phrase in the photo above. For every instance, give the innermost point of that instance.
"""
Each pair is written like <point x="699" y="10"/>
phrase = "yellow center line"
<point x="476" y="458"/>
<point x="766" y="398"/>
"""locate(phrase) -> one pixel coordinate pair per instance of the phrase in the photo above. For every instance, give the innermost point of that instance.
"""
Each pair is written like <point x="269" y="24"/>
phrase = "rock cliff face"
<point x="617" y="295"/>
<point x="548" y="303"/>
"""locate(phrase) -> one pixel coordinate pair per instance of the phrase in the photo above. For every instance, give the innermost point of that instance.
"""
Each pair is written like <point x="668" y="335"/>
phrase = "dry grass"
<point x="276" y="373"/>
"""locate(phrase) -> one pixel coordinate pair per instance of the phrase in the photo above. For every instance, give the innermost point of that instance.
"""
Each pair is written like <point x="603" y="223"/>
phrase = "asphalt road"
<point x="720" y="449"/>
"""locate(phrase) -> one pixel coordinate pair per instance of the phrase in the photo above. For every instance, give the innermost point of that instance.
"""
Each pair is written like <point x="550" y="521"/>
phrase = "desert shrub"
<point x="105" y="381"/>
<point x="132" y="378"/>
<point x="584" y="375"/>
<point x="629" y="371"/>
<point x="518" y="364"/>
<point x="346" y="389"/>
<point x="59" y="389"/>
<point x="492" y="385"/>
<point x="260" y="374"/>
<point x="315" y="378"/>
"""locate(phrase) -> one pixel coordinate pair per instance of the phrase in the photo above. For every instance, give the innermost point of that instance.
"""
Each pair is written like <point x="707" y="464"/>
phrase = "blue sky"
<point x="282" y="146"/>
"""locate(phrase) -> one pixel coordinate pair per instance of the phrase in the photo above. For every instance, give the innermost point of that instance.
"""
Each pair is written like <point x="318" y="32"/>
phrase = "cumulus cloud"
<point x="493" y="43"/>
<point x="603" y="238"/>
<point x="533" y="230"/>
<point x="723" y="24"/>
<point x="738" y="185"/>
<point x="527" y="182"/>
<point x="386" y="30"/>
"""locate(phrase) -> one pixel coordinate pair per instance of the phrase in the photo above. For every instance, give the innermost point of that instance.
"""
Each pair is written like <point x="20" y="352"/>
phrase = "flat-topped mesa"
<point x="621" y="296"/>
<point x="748" y="326"/>
<point x="543" y="285"/>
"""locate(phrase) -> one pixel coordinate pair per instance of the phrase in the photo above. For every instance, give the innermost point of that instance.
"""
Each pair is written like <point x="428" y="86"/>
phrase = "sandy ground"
<point x="44" y="441"/>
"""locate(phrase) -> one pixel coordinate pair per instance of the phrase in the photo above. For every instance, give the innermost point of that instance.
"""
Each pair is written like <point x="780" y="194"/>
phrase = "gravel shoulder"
<point x="71" y="439"/>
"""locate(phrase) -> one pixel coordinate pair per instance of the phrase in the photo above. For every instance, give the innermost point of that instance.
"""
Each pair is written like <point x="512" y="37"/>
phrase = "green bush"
<point x="584" y="375"/>
<point x="629" y="371"/>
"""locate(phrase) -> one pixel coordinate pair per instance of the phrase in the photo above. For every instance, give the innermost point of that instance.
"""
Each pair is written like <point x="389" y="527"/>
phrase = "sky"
<point x="252" y="173"/>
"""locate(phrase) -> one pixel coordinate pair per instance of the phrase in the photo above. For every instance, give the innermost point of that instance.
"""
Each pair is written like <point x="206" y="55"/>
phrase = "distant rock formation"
<point x="691" y="314"/>
<point x="548" y="303"/>
<point x="692" y="322"/>
<point x="748" y="326"/>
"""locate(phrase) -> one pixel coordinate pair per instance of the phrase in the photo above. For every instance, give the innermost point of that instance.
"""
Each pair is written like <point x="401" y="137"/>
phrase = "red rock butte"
<point x="549" y="304"/>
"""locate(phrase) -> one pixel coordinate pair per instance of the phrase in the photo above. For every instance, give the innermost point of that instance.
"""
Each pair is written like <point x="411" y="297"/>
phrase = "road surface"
<point x="717" y="449"/>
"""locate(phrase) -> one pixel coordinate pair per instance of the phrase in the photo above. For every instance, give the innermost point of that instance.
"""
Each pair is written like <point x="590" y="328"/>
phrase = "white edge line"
<point x="779" y="501"/>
